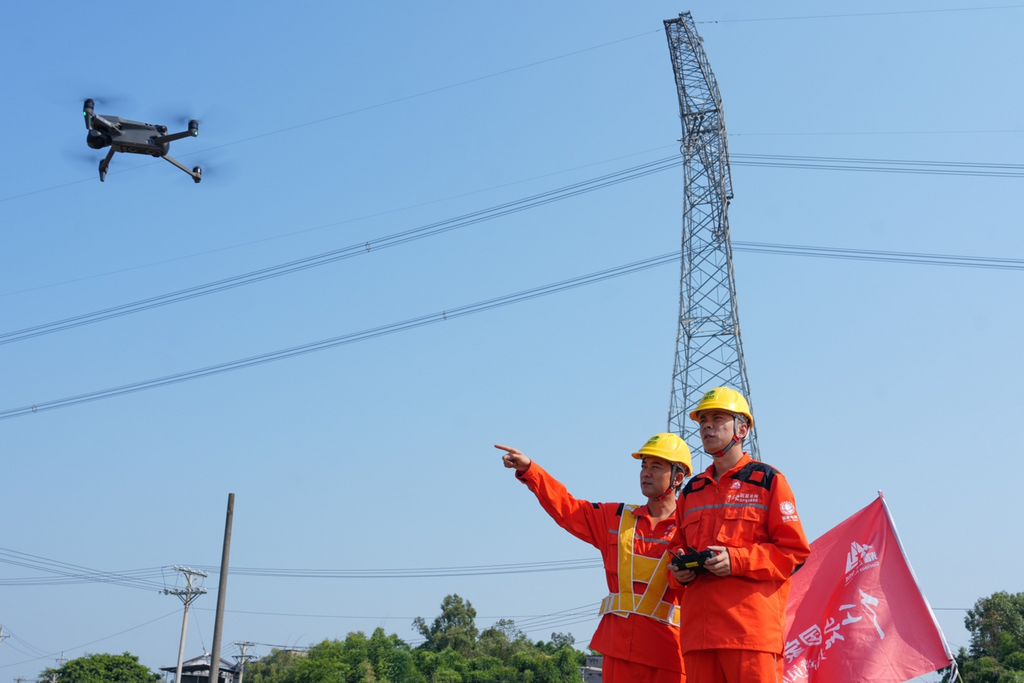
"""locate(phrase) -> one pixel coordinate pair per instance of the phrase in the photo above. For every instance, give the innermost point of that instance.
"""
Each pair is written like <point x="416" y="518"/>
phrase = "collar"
<point x="740" y="464"/>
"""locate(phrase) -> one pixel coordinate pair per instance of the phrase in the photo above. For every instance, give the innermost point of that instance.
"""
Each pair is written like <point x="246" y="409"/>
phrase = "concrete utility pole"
<point x="222" y="590"/>
<point x="187" y="595"/>
<point x="243" y="658"/>
<point x="60" y="662"/>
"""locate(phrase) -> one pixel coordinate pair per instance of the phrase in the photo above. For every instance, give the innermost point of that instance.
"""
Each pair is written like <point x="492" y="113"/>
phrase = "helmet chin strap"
<point x="735" y="438"/>
<point x="671" y="490"/>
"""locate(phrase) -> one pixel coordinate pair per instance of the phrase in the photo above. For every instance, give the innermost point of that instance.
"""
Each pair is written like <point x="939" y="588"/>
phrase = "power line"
<point x="345" y="339"/>
<point x="322" y="226"/>
<point x="351" y="251"/>
<point x="72" y="573"/>
<point x="416" y="572"/>
<point x="392" y="617"/>
<point x="863" y="14"/>
<point x="982" y="262"/>
<point x="132" y="578"/>
<point x="903" y="257"/>
<point x="881" y="132"/>
<point x="959" y="168"/>
<point x="366" y="108"/>
<point x="92" y="642"/>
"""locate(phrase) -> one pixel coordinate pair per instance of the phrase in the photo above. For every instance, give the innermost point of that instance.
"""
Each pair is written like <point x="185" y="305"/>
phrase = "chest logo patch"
<point x="736" y="485"/>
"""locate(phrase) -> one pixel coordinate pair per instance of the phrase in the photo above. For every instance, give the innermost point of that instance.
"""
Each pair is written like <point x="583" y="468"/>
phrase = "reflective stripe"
<point x="635" y="568"/>
<point x="715" y="506"/>
<point x="652" y="540"/>
<point x="665" y="612"/>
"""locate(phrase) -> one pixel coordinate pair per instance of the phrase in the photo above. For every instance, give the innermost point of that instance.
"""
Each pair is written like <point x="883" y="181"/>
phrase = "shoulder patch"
<point x="758" y="474"/>
<point x="618" y="512"/>
<point x="694" y="485"/>
<point x="597" y="506"/>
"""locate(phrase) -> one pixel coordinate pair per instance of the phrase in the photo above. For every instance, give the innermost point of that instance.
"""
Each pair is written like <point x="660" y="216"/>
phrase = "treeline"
<point x="453" y="651"/>
<point x="996" y="654"/>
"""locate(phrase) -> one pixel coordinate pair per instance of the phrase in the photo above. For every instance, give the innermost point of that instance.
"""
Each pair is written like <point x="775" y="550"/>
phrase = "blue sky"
<point x="330" y="125"/>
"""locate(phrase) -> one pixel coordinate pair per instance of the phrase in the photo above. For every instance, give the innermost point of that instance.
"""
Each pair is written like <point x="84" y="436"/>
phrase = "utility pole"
<point x="709" y="352"/>
<point x="222" y="589"/>
<point x="60" y="663"/>
<point x="243" y="658"/>
<point x="187" y="595"/>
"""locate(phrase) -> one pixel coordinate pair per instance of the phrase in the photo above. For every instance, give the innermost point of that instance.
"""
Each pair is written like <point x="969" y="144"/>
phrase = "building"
<point x="198" y="670"/>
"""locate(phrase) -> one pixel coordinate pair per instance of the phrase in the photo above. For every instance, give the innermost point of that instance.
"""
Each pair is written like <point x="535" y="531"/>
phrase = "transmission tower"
<point x="187" y="594"/>
<point x="709" y="352"/>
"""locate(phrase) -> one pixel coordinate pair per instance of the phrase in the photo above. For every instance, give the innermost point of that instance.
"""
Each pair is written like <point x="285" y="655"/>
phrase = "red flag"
<point x="855" y="611"/>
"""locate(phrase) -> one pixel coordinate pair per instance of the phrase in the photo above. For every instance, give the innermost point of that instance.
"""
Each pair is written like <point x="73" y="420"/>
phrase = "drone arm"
<point x="177" y="163"/>
<point x="105" y="126"/>
<point x="193" y="130"/>
<point x="161" y="139"/>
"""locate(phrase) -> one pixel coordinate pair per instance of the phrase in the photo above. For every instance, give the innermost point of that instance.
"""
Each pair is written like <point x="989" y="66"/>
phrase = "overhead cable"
<point x="515" y="206"/>
<point x="414" y="572"/>
<point x="955" y="168"/>
<point x="72" y="573"/>
<point x="862" y="14"/>
<point x="349" y="338"/>
<point x="981" y="262"/>
<point x="370" y="107"/>
<point x="348" y="252"/>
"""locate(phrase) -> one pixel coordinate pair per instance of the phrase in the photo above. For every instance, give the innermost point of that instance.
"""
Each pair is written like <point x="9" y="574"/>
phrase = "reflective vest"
<point x="635" y="568"/>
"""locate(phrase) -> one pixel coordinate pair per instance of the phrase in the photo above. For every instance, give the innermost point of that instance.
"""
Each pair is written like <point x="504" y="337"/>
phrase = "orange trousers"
<point x="733" y="666"/>
<point x="614" y="670"/>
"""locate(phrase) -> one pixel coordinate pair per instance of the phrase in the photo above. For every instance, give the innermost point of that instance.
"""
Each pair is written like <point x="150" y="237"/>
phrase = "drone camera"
<point x="96" y="139"/>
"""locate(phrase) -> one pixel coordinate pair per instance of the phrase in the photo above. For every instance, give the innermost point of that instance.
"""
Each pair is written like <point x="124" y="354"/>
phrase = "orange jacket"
<point x="750" y="511"/>
<point x="633" y="637"/>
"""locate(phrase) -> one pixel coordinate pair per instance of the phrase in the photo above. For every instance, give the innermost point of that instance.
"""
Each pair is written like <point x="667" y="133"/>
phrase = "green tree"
<point x="996" y="624"/>
<point x="102" y="668"/>
<point x="454" y="628"/>
<point x="502" y="640"/>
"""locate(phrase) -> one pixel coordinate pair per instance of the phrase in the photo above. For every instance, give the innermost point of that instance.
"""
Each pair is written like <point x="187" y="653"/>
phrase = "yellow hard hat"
<point x="667" y="446"/>
<point x="723" y="398"/>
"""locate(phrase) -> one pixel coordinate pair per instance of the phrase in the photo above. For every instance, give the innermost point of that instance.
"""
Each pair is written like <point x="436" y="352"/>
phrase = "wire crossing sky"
<point x="512" y="154"/>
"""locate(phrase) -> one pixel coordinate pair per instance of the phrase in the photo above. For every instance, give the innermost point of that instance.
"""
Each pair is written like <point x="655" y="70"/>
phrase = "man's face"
<point x="655" y="476"/>
<point x="716" y="429"/>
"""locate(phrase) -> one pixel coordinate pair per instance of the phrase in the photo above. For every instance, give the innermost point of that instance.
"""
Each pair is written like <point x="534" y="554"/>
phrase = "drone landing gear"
<point x="196" y="173"/>
<point x="105" y="163"/>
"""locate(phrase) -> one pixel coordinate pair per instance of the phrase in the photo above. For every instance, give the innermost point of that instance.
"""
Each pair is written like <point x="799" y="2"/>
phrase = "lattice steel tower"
<point x="709" y="352"/>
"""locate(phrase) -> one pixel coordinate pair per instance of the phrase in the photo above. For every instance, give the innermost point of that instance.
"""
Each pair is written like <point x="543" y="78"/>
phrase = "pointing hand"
<point x="514" y="458"/>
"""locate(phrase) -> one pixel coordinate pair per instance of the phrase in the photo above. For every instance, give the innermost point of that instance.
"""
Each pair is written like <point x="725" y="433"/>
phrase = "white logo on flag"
<point x="860" y="558"/>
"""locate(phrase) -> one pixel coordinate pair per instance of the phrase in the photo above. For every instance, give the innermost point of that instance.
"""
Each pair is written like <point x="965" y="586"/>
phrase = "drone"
<point x="122" y="135"/>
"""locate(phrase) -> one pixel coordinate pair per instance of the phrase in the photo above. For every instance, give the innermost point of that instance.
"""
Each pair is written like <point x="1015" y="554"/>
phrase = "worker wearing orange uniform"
<point x="638" y="633"/>
<point x="733" y="612"/>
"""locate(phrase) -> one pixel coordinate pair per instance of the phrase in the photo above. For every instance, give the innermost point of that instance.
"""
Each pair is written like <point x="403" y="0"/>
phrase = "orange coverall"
<point x="635" y="639"/>
<point x="750" y="511"/>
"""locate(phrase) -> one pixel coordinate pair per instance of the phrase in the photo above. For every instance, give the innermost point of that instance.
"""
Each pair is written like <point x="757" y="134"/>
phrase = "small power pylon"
<point x="187" y="595"/>
<point x="709" y="352"/>
<point x="243" y="657"/>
